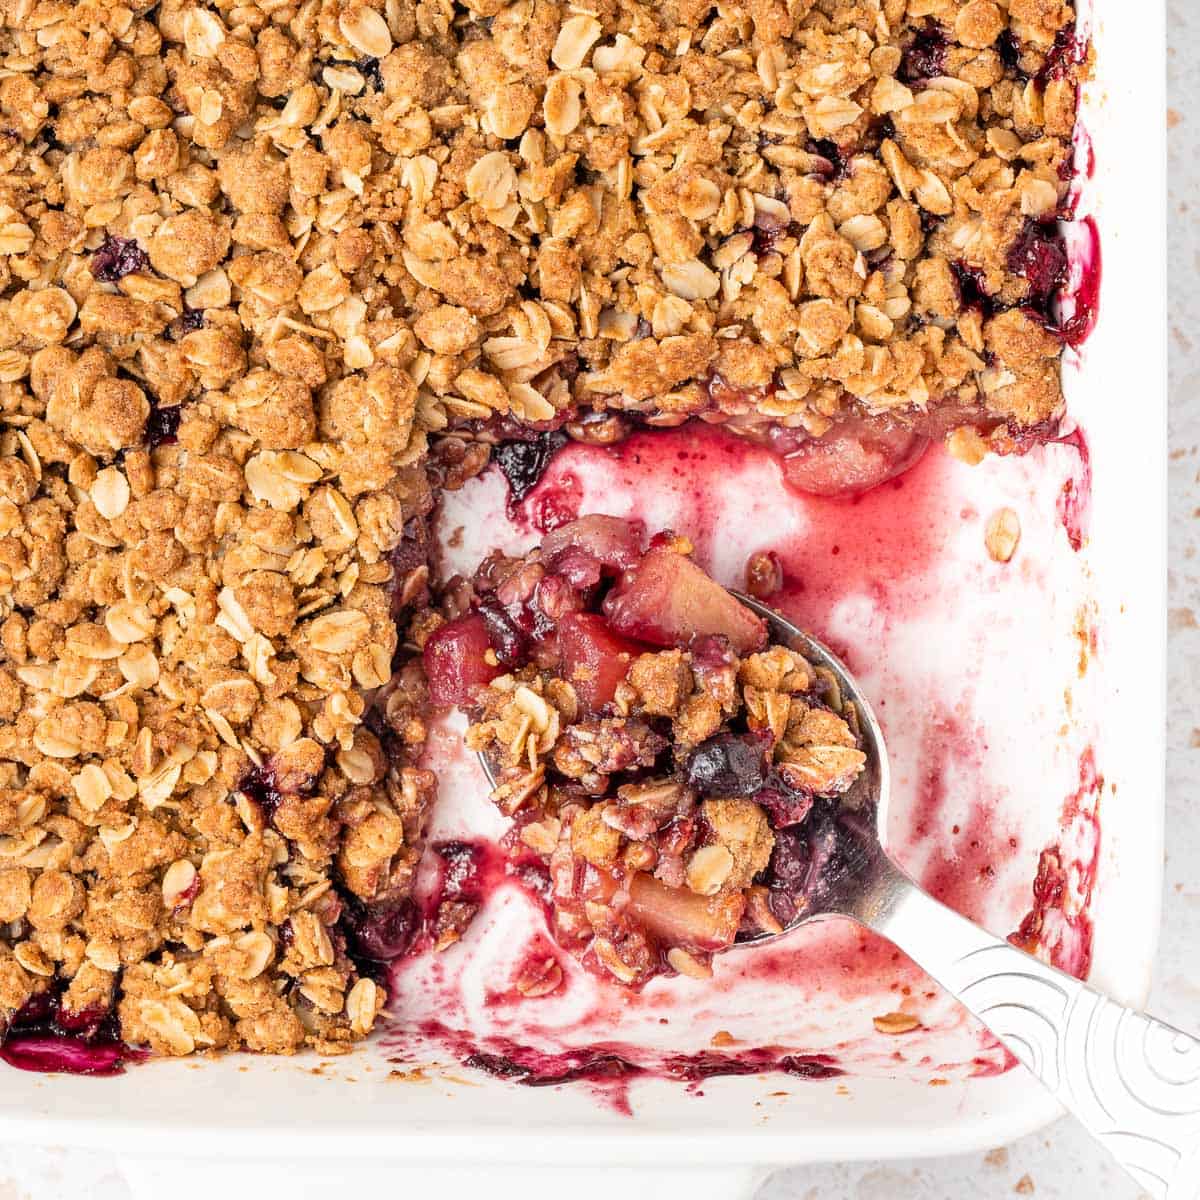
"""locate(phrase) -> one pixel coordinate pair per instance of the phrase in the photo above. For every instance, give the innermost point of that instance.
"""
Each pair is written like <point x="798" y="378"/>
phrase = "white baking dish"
<point x="354" y="1111"/>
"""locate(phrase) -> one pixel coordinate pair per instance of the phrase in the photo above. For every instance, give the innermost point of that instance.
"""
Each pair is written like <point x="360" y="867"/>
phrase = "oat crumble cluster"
<point x="658" y="754"/>
<point x="212" y="504"/>
<point x="273" y="272"/>
<point x="775" y="216"/>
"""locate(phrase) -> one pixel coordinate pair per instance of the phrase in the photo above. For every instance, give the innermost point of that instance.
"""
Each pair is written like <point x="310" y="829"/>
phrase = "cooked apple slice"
<point x="853" y="457"/>
<point x="613" y="541"/>
<point x="594" y="658"/>
<point x="667" y="600"/>
<point x="456" y="661"/>
<point x="679" y="917"/>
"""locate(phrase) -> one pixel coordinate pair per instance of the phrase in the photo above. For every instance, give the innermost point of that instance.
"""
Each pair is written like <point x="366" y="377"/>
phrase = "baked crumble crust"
<point x="769" y="214"/>
<point x="212" y="505"/>
<point x="271" y="270"/>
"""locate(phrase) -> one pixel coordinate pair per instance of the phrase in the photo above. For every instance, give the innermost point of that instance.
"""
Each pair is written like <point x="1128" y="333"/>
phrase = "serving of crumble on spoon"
<point x="698" y="772"/>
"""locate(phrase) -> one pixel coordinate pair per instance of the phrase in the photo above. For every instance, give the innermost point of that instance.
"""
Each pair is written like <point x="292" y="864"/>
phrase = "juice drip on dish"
<point x="608" y="1068"/>
<point x="873" y="543"/>
<point x="1079" y="300"/>
<point x="846" y="961"/>
<point x="1074" y="503"/>
<point x="54" y="1053"/>
<point x="963" y="854"/>
<point x="45" y="1037"/>
<point x="459" y="877"/>
<point x="1059" y="927"/>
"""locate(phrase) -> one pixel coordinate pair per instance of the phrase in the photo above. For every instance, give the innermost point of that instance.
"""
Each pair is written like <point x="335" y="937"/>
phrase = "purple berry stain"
<point x="524" y="462"/>
<point x="162" y="425"/>
<point x="261" y="786"/>
<point x="971" y="289"/>
<point x="44" y="1036"/>
<point x="695" y="1068"/>
<point x="409" y="554"/>
<point x="1039" y="257"/>
<point x="258" y="786"/>
<point x="831" y="152"/>
<point x="1009" y="50"/>
<point x="590" y="1069"/>
<point x="929" y="221"/>
<point x="925" y="56"/>
<point x="118" y="257"/>
<point x="187" y="322"/>
<point x="1068" y="51"/>
<point x="369" y="69"/>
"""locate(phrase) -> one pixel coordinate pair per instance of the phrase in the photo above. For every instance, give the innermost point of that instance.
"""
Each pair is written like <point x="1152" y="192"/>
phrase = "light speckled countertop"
<point x="1058" y="1163"/>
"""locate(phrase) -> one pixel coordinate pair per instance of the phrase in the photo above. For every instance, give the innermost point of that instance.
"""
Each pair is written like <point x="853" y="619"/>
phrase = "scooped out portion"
<point x="651" y="744"/>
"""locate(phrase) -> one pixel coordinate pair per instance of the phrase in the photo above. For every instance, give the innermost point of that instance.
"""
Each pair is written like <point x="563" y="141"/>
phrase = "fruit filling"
<point x="654" y="745"/>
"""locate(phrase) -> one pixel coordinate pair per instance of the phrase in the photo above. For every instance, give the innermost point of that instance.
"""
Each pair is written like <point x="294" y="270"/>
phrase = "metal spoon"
<point x="1132" y="1081"/>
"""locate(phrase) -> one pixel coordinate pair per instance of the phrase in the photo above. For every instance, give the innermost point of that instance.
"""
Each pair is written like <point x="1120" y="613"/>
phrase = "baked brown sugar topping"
<point x="274" y="272"/>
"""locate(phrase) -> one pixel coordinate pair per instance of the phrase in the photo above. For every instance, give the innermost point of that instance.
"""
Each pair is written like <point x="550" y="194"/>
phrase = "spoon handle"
<point x="1132" y="1081"/>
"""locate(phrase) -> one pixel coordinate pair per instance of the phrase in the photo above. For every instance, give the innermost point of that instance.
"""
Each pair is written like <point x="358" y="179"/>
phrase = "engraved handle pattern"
<point x="1132" y="1081"/>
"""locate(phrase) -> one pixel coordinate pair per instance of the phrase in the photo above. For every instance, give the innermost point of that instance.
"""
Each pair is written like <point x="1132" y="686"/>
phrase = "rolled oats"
<point x="709" y="868"/>
<point x="263" y="270"/>
<point x="1001" y="534"/>
<point x="688" y="964"/>
<point x="366" y="30"/>
<point x="576" y="36"/>
<point x="362" y="1005"/>
<point x="213" y="474"/>
<point x="895" y="1023"/>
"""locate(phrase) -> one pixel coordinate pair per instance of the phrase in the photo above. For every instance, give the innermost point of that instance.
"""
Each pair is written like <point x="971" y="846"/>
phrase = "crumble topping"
<point x="658" y="755"/>
<point x="212" y="504"/>
<point x="766" y="215"/>
<point x="271" y="273"/>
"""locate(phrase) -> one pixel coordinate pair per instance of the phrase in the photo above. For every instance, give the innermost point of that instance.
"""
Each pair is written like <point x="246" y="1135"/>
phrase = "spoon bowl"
<point x="845" y="837"/>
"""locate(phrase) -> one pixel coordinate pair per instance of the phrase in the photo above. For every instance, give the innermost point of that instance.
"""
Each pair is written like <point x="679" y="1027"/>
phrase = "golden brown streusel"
<point x="257" y="258"/>
<point x="212" y="508"/>
<point x="758" y="214"/>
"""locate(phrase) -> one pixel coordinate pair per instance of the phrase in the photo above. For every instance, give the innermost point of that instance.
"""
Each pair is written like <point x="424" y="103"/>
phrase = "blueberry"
<point x="382" y="932"/>
<point x="925" y="56"/>
<point x="726" y="766"/>
<point x="118" y="257"/>
<point x="790" y="861"/>
<point x="162" y="425"/>
<point x="525" y="462"/>
<point x="1009" y="49"/>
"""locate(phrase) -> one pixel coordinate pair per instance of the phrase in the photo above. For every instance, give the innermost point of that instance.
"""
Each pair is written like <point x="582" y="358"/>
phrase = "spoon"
<point x="1132" y="1081"/>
